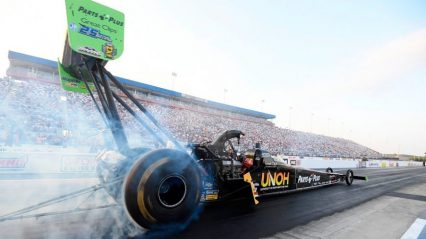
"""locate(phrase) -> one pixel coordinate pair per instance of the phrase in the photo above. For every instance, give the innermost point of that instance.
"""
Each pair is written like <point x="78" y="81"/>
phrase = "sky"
<point x="348" y="69"/>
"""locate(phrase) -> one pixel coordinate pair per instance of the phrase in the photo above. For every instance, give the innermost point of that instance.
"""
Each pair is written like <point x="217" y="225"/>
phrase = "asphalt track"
<point x="281" y="213"/>
<point x="226" y="220"/>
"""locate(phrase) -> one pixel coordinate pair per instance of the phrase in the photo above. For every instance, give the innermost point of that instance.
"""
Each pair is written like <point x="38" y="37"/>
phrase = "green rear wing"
<point x="94" y="31"/>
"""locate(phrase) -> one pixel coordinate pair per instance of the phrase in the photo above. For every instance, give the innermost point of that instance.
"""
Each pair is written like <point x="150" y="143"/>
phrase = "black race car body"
<point x="225" y="173"/>
<point x="165" y="186"/>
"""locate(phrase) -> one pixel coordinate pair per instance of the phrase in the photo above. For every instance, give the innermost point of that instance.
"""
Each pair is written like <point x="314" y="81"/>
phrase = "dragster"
<point x="163" y="186"/>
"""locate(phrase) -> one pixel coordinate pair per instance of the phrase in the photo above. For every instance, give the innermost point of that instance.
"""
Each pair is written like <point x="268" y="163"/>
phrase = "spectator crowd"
<point x="41" y="113"/>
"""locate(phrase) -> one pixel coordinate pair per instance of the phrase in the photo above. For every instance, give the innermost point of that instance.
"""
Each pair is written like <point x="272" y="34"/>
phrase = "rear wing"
<point x="94" y="31"/>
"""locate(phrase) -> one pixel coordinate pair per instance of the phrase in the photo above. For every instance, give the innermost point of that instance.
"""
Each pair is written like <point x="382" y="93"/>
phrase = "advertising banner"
<point x="78" y="163"/>
<point x="13" y="162"/>
<point x="42" y="164"/>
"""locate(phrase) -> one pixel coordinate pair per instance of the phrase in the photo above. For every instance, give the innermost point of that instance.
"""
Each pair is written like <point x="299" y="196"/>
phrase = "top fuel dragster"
<point x="162" y="186"/>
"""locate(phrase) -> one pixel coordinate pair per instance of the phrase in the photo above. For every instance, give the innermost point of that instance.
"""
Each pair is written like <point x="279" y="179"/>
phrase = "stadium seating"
<point x="37" y="112"/>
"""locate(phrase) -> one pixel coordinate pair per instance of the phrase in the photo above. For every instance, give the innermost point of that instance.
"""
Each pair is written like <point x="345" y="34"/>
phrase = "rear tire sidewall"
<point x="143" y="182"/>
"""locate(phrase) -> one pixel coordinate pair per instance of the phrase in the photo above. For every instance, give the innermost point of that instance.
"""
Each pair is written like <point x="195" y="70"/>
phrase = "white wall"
<point x="323" y="162"/>
<point x="317" y="162"/>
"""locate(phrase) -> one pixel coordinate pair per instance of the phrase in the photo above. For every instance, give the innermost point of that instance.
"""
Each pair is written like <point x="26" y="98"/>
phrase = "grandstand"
<point x="35" y="110"/>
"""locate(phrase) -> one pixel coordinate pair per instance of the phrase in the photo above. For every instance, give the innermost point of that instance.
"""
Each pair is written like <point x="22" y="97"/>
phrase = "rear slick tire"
<point x="163" y="189"/>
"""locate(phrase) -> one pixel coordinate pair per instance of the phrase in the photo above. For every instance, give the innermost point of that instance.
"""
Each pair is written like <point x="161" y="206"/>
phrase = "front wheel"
<point x="163" y="188"/>
<point x="349" y="177"/>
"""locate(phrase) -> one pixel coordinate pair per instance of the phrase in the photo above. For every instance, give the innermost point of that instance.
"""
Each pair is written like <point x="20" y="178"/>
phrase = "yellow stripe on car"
<point x="145" y="177"/>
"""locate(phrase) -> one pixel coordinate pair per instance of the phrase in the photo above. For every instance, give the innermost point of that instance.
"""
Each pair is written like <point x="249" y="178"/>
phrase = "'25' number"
<point x="89" y="31"/>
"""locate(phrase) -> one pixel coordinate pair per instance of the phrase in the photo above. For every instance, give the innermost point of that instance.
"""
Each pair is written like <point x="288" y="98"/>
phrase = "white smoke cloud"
<point x="28" y="110"/>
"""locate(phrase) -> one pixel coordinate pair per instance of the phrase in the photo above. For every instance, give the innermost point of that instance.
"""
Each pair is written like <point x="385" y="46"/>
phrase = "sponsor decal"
<point x="94" y="33"/>
<point x="212" y="195"/>
<point x="109" y="29"/>
<point x="207" y="185"/>
<point x="88" y="12"/>
<point x="274" y="180"/>
<point x="210" y="191"/>
<point x="247" y="178"/>
<point x="13" y="163"/>
<point x="292" y="162"/>
<point x="103" y="17"/>
<point x="71" y="83"/>
<point x="73" y="26"/>
<point x="89" y="50"/>
<point x="86" y="22"/>
<point x="109" y="50"/>
<point x="308" y="179"/>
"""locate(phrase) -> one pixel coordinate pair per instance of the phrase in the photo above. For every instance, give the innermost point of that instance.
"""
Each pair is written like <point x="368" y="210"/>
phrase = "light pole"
<point x="224" y="95"/>
<point x="263" y="102"/>
<point x="174" y="75"/>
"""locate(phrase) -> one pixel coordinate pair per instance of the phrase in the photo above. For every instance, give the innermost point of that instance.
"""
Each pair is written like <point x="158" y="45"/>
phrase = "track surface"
<point x="231" y="220"/>
<point x="281" y="213"/>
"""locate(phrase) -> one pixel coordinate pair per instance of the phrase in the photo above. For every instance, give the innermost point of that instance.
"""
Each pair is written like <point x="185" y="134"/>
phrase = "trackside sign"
<point x="94" y="29"/>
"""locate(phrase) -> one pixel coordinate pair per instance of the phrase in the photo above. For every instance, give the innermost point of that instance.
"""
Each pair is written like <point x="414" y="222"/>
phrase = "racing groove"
<point x="279" y="213"/>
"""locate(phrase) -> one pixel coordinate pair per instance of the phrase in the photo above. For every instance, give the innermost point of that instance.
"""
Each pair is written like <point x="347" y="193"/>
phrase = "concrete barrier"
<point x="324" y="162"/>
